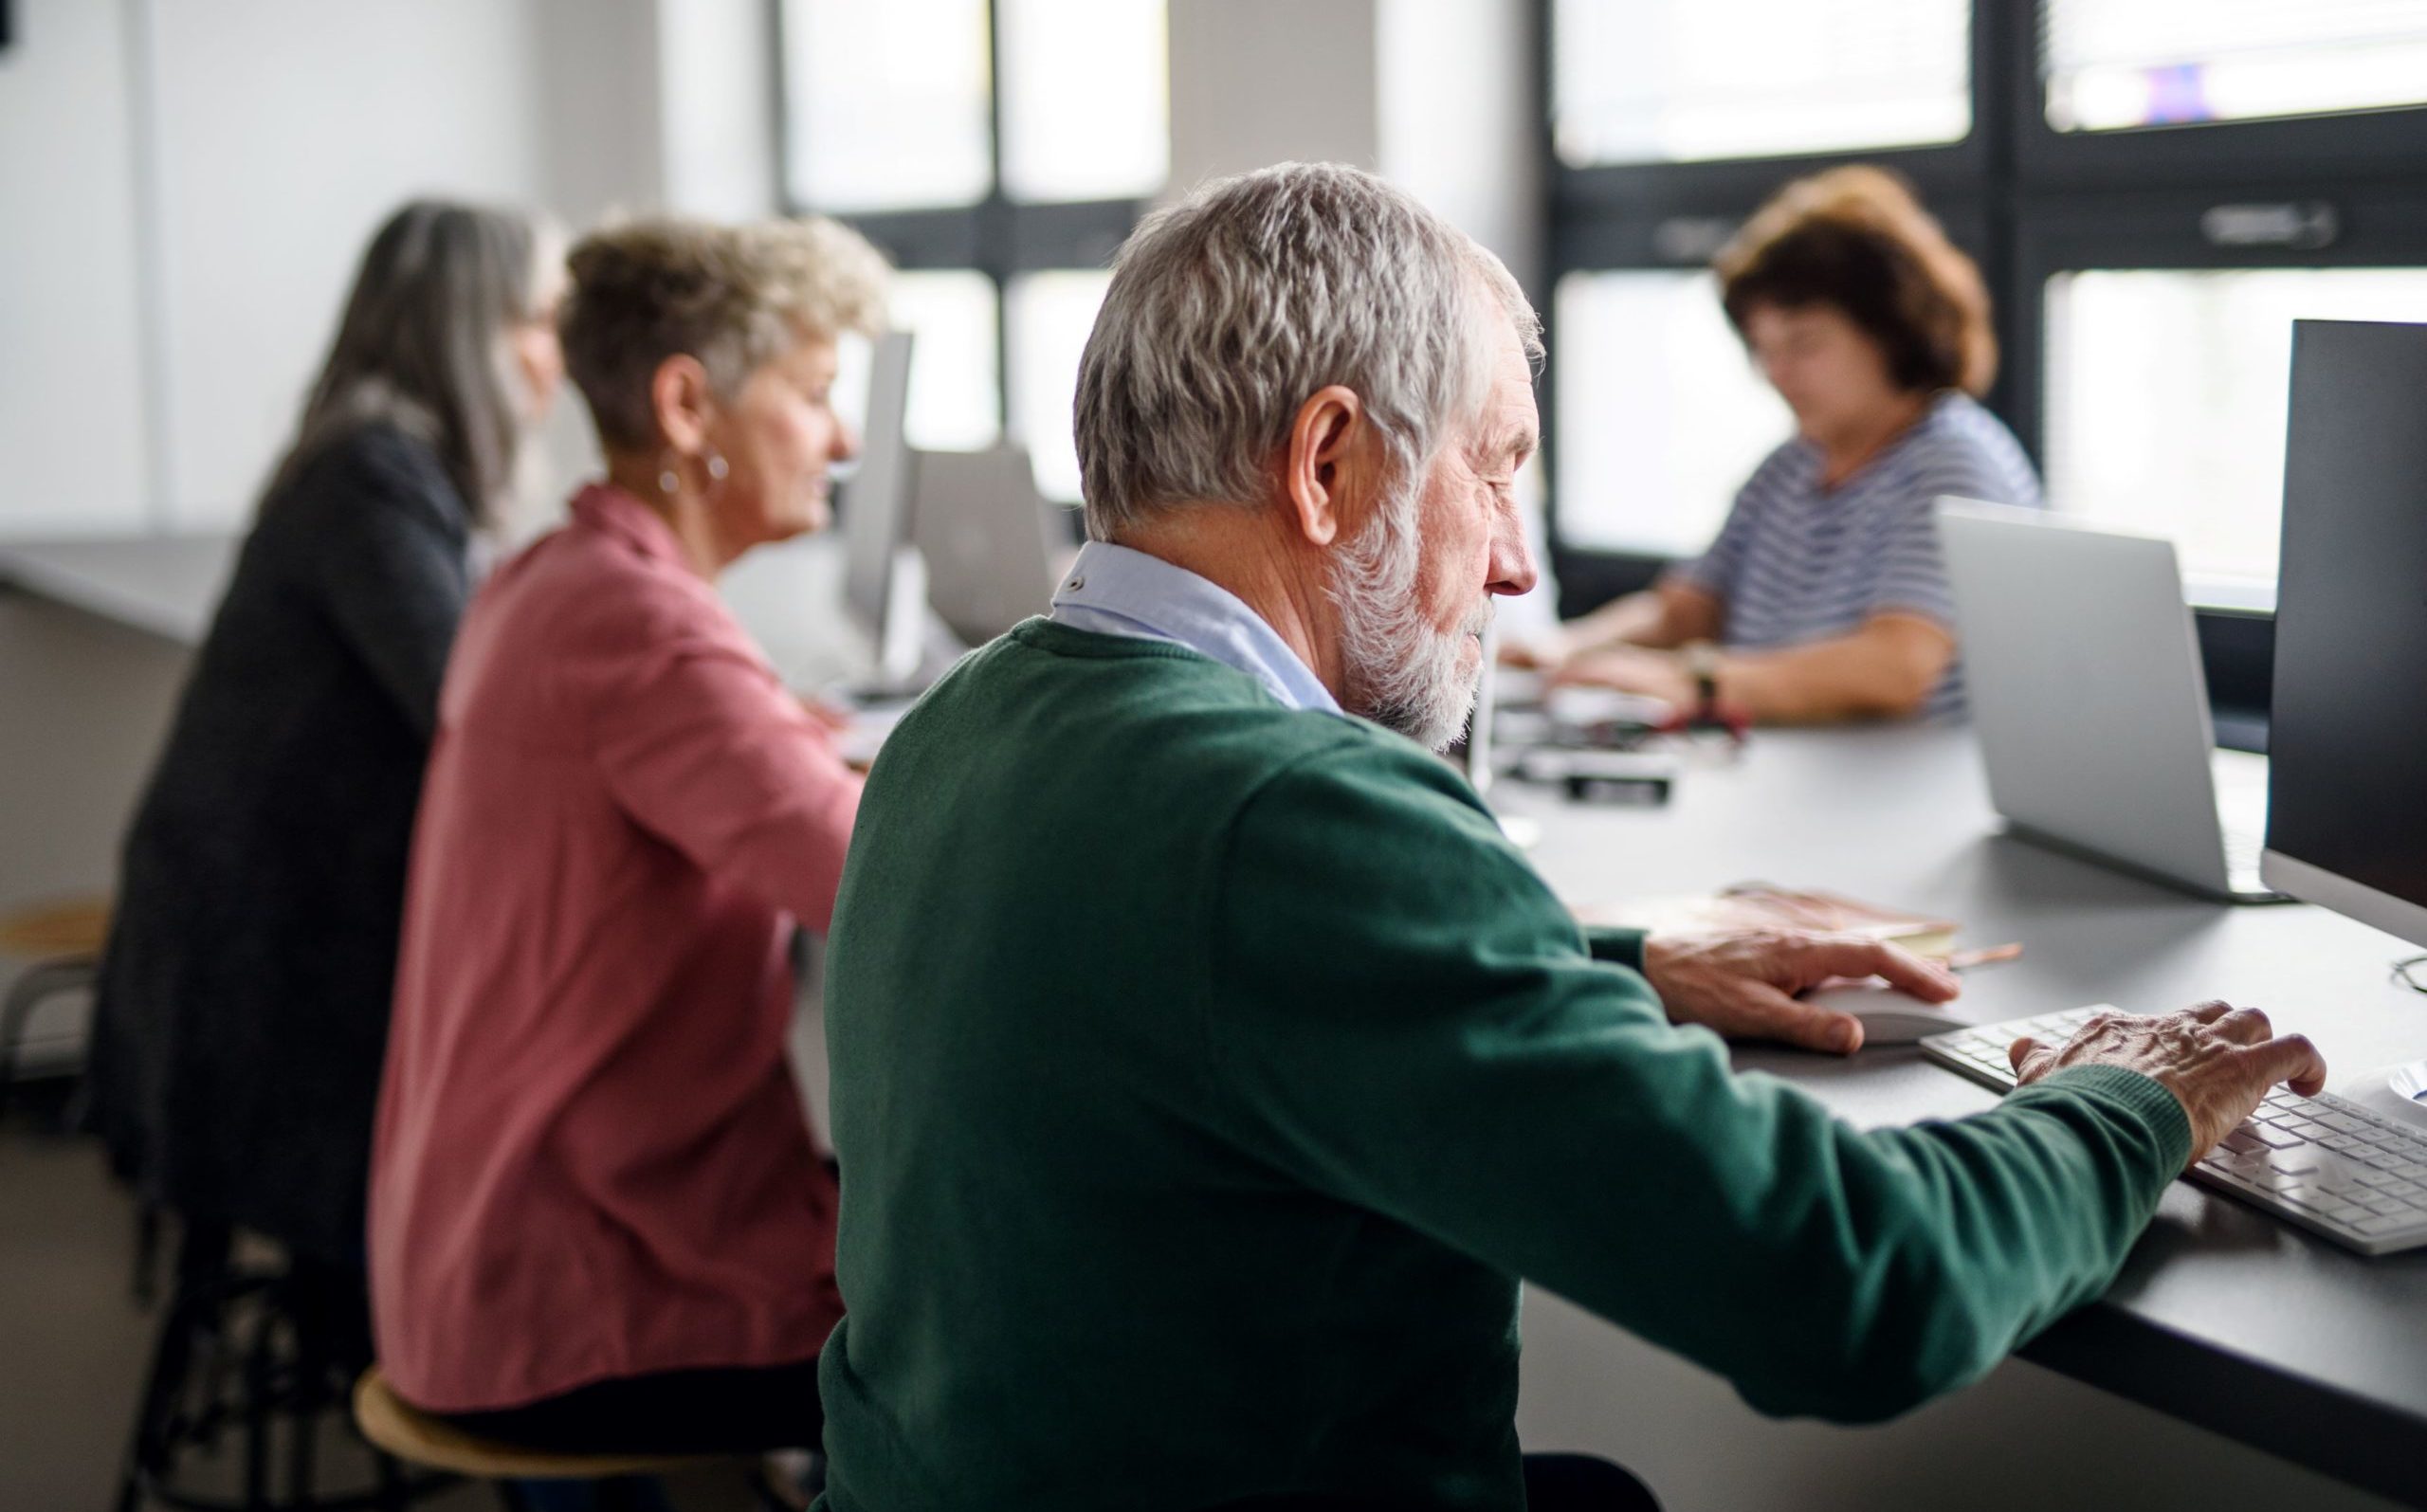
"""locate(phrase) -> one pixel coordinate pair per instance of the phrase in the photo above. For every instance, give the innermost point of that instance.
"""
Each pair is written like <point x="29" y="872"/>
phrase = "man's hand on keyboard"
<point x="2218" y="1060"/>
<point x="1743" y="984"/>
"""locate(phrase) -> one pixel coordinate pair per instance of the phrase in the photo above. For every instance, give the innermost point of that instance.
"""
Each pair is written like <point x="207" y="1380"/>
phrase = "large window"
<point x="1050" y="316"/>
<point x="2154" y="189"/>
<point x="956" y="383"/>
<point x="1660" y="415"/>
<point x="889" y="104"/>
<point x="998" y="152"/>
<point x="1086" y="91"/>
<point x="2163" y="62"/>
<point x="2195" y="361"/>
<point x="1683" y="81"/>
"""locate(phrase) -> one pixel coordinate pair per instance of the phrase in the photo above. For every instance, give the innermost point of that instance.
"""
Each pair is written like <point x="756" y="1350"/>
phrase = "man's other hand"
<point x="2218" y="1060"/>
<point x="1743" y="985"/>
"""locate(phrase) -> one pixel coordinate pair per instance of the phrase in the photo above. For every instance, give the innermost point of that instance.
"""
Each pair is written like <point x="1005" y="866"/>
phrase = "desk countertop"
<point x="788" y="595"/>
<point x="2222" y="1316"/>
<point x="165" y="585"/>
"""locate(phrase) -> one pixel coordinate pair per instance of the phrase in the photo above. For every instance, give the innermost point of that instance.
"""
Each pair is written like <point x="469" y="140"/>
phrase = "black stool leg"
<point x="395" y="1495"/>
<point x="170" y="1357"/>
<point x="260" y="1420"/>
<point x="311" y="1395"/>
<point x="201" y="1254"/>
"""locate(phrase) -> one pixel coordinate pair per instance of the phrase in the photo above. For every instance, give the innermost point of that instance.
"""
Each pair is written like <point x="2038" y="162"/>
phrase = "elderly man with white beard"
<point x="1209" y="1071"/>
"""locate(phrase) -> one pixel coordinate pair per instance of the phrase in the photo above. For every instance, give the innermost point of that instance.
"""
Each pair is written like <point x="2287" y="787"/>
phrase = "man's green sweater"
<point x="1207" y="1073"/>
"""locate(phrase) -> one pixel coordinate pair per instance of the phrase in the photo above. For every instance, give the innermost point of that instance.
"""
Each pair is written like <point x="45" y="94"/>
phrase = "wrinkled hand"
<point x="1743" y="984"/>
<point x="1629" y="669"/>
<point x="2218" y="1060"/>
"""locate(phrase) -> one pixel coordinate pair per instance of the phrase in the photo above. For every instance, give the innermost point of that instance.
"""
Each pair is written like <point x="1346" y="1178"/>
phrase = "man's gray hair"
<point x="1231" y="308"/>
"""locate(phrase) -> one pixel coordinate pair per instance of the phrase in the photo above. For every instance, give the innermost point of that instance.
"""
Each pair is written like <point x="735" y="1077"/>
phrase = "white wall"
<point x="289" y="129"/>
<point x="71" y="375"/>
<point x="598" y="93"/>
<point x="280" y="133"/>
<point x="1456" y="118"/>
<point x="1260" y="82"/>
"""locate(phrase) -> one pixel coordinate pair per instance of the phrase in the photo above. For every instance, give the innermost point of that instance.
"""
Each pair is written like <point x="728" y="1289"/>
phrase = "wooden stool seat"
<point x="61" y="942"/>
<point x="418" y="1438"/>
<point x="71" y="926"/>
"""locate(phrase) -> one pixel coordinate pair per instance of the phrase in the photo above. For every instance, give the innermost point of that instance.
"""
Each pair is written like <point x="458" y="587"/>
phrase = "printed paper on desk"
<point x="1764" y="906"/>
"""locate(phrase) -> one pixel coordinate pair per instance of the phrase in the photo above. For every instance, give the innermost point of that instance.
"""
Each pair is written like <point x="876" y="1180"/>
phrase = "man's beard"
<point x="1397" y="668"/>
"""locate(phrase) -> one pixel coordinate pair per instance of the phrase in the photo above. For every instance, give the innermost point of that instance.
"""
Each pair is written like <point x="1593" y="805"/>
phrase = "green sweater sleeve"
<point x="1620" y="947"/>
<point x="1405" y="1018"/>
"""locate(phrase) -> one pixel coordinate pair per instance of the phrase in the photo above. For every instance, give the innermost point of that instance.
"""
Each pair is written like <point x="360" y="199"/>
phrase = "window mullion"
<point x="996" y="230"/>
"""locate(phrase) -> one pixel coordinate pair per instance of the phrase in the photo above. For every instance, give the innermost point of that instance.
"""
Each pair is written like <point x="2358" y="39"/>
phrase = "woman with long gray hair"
<point x="244" y="996"/>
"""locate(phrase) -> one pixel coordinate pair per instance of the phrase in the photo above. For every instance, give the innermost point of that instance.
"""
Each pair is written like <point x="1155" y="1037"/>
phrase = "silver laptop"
<point x="983" y="530"/>
<point x="2087" y="692"/>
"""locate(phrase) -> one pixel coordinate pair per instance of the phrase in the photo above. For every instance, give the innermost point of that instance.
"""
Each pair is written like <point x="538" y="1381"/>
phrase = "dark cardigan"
<point x="242" y="1006"/>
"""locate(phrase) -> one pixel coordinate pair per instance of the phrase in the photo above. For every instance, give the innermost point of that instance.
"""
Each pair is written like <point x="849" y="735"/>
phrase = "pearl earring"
<point x="717" y="468"/>
<point x="667" y="482"/>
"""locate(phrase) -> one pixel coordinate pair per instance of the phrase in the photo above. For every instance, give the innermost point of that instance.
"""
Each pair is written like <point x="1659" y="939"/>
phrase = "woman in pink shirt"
<point x="597" y="1220"/>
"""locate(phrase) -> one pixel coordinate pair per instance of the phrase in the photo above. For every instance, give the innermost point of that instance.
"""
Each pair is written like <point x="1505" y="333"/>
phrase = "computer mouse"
<point x="1887" y="1015"/>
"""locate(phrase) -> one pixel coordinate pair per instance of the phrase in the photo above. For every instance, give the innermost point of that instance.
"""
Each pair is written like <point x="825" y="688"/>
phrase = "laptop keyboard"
<point x="2324" y="1162"/>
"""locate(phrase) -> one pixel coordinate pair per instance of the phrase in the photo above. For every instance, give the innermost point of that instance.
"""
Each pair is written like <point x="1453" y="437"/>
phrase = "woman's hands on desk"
<point x="1743" y="985"/>
<point x="2218" y="1060"/>
<point x="1631" y="669"/>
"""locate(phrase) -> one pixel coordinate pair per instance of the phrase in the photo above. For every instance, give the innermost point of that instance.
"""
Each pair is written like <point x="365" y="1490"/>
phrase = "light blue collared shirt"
<point x="1114" y="591"/>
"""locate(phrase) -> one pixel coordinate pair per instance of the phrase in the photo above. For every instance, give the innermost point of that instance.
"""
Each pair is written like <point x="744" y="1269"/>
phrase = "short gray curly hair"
<point x="1233" y="307"/>
<point x="735" y="297"/>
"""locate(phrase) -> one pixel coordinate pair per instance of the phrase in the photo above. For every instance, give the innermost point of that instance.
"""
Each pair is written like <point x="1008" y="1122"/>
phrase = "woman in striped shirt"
<point x="1824" y="596"/>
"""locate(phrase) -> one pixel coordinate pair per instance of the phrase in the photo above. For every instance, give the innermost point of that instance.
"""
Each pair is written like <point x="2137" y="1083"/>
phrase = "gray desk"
<point x="788" y="595"/>
<point x="164" y="584"/>
<point x="2222" y="1316"/>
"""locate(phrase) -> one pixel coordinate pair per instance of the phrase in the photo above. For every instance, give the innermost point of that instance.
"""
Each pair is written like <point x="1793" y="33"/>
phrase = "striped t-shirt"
<point x="1796" y="562"/>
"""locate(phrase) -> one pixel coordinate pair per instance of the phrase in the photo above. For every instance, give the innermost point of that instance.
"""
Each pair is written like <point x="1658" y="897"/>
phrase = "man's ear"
<point x="1325" y="471"/>
<point x="679" y="397"/>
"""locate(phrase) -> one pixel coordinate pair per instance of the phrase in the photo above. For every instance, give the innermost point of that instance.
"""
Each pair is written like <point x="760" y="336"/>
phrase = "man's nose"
<point x="1512" y="562"/>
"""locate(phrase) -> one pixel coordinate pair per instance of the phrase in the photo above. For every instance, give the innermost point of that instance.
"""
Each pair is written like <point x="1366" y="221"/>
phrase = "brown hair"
<point x="733" y="296"/>
<point x="1855" y="239"/>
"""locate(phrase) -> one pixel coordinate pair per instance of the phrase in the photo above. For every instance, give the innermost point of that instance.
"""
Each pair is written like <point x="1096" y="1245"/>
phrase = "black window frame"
<point x="2027" y="202"/>
<point x="997" y="236"/>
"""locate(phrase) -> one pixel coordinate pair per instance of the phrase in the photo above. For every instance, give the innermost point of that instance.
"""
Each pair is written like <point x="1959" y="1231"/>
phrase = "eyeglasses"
<point x="2412" y="972"/>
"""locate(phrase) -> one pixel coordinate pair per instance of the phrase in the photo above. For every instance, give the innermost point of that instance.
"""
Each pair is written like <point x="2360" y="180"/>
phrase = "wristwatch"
<point x="1710" y="711"/>
<point x="1702" y="665"/>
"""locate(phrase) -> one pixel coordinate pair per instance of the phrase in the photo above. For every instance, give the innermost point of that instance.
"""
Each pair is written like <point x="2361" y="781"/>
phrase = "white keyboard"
<point x="2322" y="1162"/>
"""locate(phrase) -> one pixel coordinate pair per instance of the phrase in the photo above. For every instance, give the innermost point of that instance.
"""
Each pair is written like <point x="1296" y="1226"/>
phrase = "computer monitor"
<point x="2348" y="791"/>
<point x="876" y="517"/>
